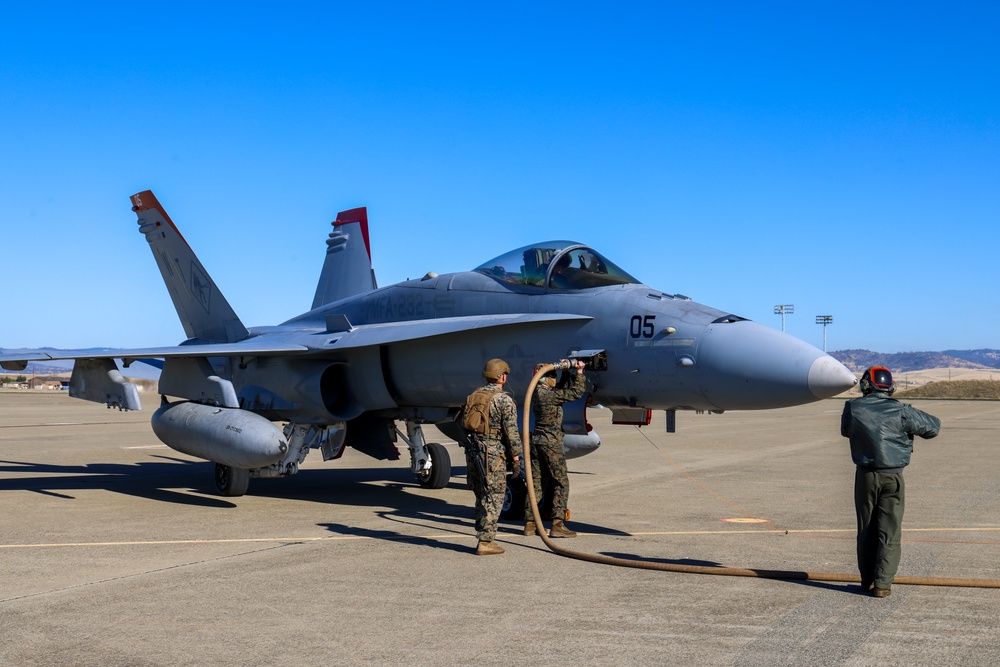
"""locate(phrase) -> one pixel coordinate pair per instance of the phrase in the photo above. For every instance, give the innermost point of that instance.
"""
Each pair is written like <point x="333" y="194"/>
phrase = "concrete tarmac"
<point x="114" y="551"/>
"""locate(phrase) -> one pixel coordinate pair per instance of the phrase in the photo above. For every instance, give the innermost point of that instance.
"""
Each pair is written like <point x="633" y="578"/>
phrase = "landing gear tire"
<point x="439" y="474"/>
<point x="514" y="495"/>
<point x="231" y="481"/>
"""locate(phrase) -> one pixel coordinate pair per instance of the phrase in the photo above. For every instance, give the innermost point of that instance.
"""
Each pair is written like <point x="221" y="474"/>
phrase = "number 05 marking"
<point x="642" y="326"/>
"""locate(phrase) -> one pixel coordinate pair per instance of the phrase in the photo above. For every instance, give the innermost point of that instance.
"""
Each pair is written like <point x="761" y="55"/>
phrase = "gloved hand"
<point x="516" y="469"/>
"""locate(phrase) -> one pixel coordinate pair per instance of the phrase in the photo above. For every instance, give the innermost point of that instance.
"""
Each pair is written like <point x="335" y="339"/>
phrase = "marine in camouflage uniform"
<point x="548" y="457"/>
<point x="503" y="440"/>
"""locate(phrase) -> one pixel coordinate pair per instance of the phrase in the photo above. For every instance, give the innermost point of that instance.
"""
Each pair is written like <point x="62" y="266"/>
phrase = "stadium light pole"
<point x="781" y="310"/>
<point x="824" y="320"/>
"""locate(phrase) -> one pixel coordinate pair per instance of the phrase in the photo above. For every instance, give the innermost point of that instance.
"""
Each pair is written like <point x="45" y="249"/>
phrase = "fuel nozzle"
<point x="593" y="360"/>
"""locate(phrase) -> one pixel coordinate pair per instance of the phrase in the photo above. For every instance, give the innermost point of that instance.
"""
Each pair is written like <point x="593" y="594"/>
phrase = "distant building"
<point x="14" y="385"/>
<point x="45" y="383"/>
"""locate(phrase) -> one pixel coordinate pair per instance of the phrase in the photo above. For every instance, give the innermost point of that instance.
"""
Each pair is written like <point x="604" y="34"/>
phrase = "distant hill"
<point x="989" y="358"/>
<point x="900" y="362"/>
<point x="965" y="390"/>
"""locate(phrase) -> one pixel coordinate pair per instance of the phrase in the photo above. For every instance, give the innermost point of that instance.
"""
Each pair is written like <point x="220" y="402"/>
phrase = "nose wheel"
<point x="513" y="499"/>
<point x="515" y="494"/>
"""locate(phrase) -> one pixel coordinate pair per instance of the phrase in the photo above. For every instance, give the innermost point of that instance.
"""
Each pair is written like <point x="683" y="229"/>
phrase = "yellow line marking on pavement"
<point x="793" y="531"/>
<point x="49" y="424"/>
<point x="440" y="536"/>
<point x="229" y="541"/>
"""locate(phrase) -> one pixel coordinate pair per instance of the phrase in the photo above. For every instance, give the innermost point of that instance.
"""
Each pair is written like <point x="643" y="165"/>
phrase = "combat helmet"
<point x="494" y="368"/>
<point x="877" y="378"/>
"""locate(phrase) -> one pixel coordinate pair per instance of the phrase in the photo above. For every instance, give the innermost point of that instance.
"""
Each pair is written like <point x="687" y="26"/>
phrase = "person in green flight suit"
<point x="881" y="431"/>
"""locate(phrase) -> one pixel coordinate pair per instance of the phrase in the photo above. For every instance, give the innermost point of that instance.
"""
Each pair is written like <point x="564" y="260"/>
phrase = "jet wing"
<point x="255" y="346"/>
<point x="340" y="334"/>
<point x="394" y="332"/>
<point x="97" y="378"/>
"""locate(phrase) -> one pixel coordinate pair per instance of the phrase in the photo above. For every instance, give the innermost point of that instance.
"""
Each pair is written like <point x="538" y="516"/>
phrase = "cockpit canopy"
<point x="558" y="264"/>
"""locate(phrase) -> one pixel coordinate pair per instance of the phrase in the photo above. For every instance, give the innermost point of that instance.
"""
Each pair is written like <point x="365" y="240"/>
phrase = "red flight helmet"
<point x="877" y="378"/>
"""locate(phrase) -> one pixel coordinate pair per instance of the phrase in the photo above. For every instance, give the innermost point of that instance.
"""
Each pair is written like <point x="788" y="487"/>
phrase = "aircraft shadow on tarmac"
<point x="154" y="480"/>
<point x="165" y="479"/>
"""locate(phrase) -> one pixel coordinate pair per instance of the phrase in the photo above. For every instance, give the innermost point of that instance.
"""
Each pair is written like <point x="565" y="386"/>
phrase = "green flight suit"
<point x="881" y="431"/>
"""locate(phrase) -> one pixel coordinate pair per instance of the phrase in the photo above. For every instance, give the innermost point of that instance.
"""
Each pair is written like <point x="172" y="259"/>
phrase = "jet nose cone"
<point x="828" y="377"/>
<point x="747" y="366"/>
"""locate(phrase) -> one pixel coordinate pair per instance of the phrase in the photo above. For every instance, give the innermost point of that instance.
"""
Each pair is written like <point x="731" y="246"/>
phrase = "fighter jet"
<point x="365" y="358"/>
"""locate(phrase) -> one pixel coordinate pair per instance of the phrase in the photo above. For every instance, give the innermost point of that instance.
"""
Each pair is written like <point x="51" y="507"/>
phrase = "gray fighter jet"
<point x="364" y="358"/>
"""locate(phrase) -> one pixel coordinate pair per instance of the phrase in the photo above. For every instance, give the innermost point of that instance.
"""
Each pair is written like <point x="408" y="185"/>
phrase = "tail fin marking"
<point x="347" y="269"/>
<point x="204" y="312"/>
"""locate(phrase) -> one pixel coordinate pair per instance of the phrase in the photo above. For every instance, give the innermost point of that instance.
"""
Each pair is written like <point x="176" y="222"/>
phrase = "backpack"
<point x="476" y="413"/>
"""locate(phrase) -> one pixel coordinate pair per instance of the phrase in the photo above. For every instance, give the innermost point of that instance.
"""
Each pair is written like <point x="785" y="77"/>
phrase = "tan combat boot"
<point x="530" y="528"/>
<point x="559" y="529"/>
<point x="488" y="548"/>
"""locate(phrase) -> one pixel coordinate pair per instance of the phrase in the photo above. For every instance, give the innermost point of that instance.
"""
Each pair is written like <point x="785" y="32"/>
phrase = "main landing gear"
<point x="430" y="462"/>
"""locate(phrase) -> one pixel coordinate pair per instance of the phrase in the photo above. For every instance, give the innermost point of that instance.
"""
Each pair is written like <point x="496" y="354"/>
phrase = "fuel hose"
<point x="794" y="575"/>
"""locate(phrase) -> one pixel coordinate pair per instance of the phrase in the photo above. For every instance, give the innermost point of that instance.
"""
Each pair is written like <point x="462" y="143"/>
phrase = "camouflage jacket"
<point x="547" y="405"/>
<point x="503" y="432"/>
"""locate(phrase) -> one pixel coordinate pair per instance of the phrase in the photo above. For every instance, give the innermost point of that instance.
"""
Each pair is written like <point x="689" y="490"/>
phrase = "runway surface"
<point x="114" y="551"/>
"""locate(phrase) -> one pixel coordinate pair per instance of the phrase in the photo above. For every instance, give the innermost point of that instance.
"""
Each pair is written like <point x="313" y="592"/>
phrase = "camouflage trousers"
<point x="490" y="491"/>
<point x="548" y="468"/>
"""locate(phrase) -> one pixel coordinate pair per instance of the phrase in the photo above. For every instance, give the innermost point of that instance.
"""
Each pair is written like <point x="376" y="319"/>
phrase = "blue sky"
<point x="841" y="157"/>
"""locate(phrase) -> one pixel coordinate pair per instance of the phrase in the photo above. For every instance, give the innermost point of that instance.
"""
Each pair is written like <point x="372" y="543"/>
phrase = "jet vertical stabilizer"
<point x="201" y="307"/>
<point x="347" y="269"/>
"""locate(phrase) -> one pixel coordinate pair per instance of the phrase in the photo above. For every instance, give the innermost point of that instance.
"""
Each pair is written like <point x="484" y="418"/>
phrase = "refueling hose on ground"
<point x="697" y="569"/>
